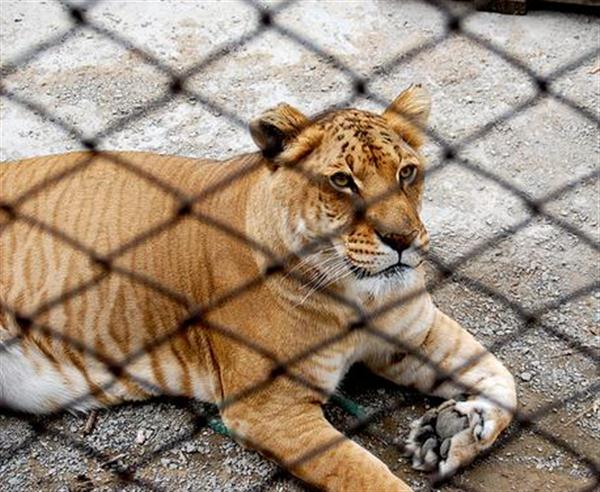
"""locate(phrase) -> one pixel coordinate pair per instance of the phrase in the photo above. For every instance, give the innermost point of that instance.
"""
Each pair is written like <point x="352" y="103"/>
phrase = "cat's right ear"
<point x="276" y="128"/>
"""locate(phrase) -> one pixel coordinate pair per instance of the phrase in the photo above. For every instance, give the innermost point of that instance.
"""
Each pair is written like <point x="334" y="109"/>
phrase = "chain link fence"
<point x="361" y="87"/>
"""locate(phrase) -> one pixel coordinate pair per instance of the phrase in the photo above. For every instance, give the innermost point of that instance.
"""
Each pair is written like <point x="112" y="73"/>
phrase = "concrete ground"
<point x="91" y="82"/>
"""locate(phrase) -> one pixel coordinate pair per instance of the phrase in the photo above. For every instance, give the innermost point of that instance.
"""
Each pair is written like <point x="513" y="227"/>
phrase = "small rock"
<point x="189" y="447"/>
<point x="526" y="376"/>
<point x="141" y="436"/>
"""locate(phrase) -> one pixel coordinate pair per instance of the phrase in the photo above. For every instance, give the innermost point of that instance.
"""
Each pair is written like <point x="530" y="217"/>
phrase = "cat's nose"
<point x="398" y="242"/>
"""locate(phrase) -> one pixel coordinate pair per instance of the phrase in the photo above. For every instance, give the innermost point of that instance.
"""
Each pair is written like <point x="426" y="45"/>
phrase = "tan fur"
<point x="227" y="355"/>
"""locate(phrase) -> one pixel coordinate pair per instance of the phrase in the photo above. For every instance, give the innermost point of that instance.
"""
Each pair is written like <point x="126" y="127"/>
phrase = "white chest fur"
<point x="398" y="311"/>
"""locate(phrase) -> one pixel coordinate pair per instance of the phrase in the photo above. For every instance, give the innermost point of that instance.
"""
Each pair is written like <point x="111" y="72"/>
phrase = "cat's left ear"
<point x="408" y="114"/>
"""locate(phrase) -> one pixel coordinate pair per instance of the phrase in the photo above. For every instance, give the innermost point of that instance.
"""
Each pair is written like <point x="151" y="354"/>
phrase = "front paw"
<point x="450" y="436"/>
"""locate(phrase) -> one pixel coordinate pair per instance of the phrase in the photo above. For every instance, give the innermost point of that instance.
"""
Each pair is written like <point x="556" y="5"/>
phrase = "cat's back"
<point x="60" y="213"/>
<point x="93" y="255"/>
<point x="64" y="186"/>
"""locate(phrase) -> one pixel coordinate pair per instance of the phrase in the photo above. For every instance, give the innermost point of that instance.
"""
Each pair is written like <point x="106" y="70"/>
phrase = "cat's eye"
<point x="407" y="174"/>
<point x="342" y="180"/>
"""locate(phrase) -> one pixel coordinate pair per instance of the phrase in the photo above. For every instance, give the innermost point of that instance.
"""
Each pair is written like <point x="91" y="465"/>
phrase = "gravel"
<point x="91" y="82"/>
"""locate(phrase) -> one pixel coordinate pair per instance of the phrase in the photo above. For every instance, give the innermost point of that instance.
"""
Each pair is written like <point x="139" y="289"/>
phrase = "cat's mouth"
<point x="395" y="270"/>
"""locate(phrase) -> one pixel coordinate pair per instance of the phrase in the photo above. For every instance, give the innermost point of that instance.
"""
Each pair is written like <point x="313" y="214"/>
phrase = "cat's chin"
<point x="396" y="279"/>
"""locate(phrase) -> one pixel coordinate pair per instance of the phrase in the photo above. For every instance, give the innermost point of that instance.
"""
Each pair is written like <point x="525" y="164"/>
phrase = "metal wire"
<point x="367" y="321"/>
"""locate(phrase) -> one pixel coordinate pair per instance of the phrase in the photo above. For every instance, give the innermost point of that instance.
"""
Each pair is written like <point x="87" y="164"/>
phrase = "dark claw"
<point x="424" y="432"/>
<point x="444" y="448"/>
<point x="482" y="421"/>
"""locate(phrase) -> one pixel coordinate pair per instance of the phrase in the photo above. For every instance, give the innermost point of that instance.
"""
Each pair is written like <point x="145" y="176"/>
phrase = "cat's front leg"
<point x="292" y="430"/>
<point x="451" y="364"/>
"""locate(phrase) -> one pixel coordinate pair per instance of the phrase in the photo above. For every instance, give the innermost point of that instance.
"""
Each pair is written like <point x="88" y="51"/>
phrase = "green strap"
<point x="218" y="426"/>
<point x="349" y="406"/>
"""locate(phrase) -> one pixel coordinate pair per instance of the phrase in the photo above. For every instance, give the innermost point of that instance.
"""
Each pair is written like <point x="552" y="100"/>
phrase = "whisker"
<point x="337" y="269"/>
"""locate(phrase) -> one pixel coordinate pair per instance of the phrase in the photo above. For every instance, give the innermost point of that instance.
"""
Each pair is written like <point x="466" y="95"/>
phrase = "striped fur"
<point x="76" y="334"/>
